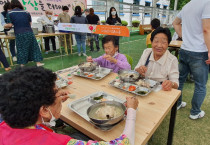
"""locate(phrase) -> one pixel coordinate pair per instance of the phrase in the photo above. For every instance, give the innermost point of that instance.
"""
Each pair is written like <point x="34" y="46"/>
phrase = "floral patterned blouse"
<point x="122" y="140"/>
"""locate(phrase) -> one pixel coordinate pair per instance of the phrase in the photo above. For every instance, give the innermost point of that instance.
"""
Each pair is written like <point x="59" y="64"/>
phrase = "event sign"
<point x="37" y="7"/>
<point x="94" y="29"/>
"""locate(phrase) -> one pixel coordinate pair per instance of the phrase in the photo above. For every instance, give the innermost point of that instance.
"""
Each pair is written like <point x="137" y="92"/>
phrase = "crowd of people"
<point x="24" y="124"/>
<point x="13" y="15"/>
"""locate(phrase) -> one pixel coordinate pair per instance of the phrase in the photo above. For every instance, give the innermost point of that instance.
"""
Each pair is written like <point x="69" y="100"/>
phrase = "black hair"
<point x="65" y="8"/>
<point x="23" y="91"/>
<point x="91" y="11"/>
<point x="78" y="11"/>
<point x="16" y="4"/>
<point x="7" y="6"/>
<point x="107" y="39"/>
<point x="155" y="23"/>
<point x="110" y="13"/>
<point x="165" y="31"/>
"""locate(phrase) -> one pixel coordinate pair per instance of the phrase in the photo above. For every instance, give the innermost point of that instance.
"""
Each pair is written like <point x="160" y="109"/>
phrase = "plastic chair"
<point x="129" y="59"/>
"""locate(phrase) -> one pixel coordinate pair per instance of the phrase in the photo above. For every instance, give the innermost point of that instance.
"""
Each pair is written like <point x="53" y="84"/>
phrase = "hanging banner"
<point x="94" y="29"/>
<point x="37" y="7"/>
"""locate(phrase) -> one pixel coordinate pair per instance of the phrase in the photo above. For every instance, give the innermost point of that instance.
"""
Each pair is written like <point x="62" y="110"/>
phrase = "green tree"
<point x="180" y="4"/>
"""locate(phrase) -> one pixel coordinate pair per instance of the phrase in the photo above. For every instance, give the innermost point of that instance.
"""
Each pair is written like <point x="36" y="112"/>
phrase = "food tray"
<point x="69" y="70"/>
<point x="140" y="90"/>
<point x="81" y="105"/>
<point x="98" y="74"/>
<point x="60" y="82"/>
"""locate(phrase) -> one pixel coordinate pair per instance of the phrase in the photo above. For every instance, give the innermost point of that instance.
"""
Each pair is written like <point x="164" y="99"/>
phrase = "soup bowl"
<point x="110" y="120"/>
<point x="87" y="66"/>
<point x="128" y="75"/>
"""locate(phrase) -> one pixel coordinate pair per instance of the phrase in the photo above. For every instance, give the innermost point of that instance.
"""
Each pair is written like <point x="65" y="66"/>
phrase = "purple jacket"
<point x="122" y="63"/>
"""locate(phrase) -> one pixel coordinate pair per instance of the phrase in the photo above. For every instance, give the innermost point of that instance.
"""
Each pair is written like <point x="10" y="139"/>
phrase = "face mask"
<point x="49" y="16"/>
<point x="113" y="13"/>
<point x="52" y="120"/>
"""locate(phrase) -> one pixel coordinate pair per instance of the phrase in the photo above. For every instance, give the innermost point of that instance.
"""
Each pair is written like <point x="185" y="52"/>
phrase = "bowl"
<point x="87" y="66"/>
<point x="142" y="91"/>
<point x="128" y="75"/>
<point x="110" y="121"/>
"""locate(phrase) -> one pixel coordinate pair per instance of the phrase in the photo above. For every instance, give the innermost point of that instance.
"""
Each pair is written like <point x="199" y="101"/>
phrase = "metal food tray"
<point x="61" y="83"/>
<point x="96" y="75"/>
<point x="81" y="106"/>
<point x="122" y="85"/>
<point x="70" y="70"/>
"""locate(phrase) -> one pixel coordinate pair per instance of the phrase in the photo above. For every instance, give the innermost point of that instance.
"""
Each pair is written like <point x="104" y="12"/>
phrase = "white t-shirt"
<point x="192" y="29"/>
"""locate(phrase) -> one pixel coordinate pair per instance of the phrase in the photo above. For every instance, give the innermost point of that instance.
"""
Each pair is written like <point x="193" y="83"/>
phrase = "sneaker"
<point x="14" y="58"/>
<point x="199" y="115"/>
<point x="79" y="54"/>
<point x="182" y="105"/>
<point x="56" y="51"/>
<point x="39" y="64"/>
<point x="84" y="54"/>
<point x="46" y="52"/>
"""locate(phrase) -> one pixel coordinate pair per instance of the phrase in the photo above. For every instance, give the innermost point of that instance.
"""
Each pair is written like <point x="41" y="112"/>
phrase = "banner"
<point x="37" y="7"/>
<point x="94" y="29"/>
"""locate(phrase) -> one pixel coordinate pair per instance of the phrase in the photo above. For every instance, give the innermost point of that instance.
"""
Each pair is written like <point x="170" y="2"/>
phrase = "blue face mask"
<point x="52" y="120"/>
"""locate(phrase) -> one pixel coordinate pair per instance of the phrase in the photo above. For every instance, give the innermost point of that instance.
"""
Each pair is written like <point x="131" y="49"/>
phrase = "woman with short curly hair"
<point x="29" y="100"/>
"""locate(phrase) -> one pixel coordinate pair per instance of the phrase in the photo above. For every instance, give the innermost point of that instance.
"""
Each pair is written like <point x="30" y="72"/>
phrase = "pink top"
<point x="43" y="135"/>
<point x="13" y="136"/>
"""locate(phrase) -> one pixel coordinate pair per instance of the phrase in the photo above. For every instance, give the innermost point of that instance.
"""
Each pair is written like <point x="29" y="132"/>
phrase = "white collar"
<point x="116" y="53"/>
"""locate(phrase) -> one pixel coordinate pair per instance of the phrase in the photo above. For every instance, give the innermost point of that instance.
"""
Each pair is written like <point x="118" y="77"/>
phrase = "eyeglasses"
<point x="157" y="40"/>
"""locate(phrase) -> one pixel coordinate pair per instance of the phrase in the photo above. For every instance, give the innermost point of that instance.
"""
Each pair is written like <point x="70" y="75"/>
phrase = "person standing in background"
<point x="155" y="23"/>
<point x="193" y="26"/>
<point x="85" y="13"/>
<point x="113" y="19"/>
<point x="80" y="37"/>
<point x="93" y="19"/>
<point x="27" y="46"/>
<point x="64" y="17"/>
<point x="7" y="7"/>
<point x="47" y="19"/>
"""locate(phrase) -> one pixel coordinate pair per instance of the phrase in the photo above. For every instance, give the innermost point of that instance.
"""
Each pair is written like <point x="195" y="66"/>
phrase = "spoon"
<point x="99" y="68"/>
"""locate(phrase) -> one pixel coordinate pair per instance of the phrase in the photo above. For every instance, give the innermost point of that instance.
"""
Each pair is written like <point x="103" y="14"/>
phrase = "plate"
<point x="132" y="87"/>
<point x="81" y="105"/>
<point x="97" y="74"/>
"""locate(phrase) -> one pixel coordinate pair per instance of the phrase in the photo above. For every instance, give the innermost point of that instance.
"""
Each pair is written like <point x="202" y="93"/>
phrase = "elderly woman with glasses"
<point x="157" y="63"/>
